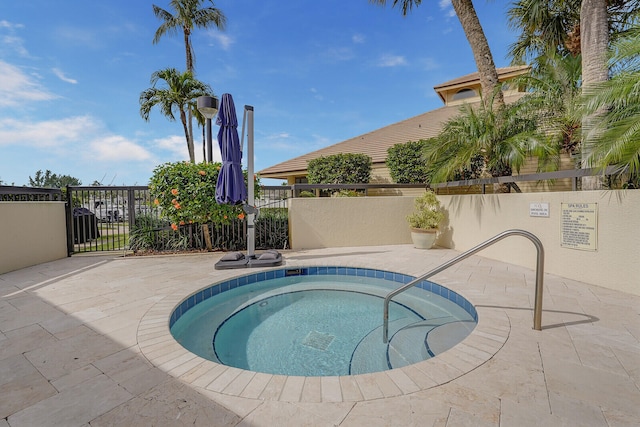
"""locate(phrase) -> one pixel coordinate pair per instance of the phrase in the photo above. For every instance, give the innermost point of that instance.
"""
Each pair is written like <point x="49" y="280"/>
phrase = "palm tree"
<point x="554" y="87"/>
<point x="179" y="96"/>
<point x="614" y="137"/>
<point x="554" y="25"/>
<point x="545" y="26"/>
<point x="483" y="141"/>
<point x="477" y="40"/>
<point x="188" y="15"/>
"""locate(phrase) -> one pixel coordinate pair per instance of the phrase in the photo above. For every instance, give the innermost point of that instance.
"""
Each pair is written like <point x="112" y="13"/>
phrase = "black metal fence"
<point x="125" y="218"/>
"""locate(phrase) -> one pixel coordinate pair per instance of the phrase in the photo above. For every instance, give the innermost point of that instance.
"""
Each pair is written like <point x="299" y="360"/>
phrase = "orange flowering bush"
<point x="186" y="192"/>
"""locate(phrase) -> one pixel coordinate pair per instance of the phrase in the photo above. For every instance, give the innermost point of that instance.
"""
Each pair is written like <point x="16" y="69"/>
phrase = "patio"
<point x="84" y="341"/>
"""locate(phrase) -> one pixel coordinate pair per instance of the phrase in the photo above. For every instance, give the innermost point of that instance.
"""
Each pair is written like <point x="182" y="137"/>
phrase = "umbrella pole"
<point x="251" y="231"/>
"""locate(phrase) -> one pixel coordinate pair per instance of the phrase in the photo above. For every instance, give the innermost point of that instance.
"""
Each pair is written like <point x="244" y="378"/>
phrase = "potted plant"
<point x="424" y="221"/>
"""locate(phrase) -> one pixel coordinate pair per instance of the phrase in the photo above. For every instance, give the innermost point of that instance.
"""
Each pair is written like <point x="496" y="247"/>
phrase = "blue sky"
<point x="316" y="73"/>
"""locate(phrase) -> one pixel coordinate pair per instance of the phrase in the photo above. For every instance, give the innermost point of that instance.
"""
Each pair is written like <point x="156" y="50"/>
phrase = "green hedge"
<point x="346" y="168"/>
<point x="406" y="163"/>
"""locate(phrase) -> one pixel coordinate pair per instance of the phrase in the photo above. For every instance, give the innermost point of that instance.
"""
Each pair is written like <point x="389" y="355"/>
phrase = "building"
<point x="454" y="93"/>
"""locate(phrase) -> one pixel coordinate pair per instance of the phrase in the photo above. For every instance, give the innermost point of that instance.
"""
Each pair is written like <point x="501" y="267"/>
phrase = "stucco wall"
<point x="472" y="219"/>
<point x="615" y="264"/>
<point x="31" y="233"/>
<point x="348" y="221"/>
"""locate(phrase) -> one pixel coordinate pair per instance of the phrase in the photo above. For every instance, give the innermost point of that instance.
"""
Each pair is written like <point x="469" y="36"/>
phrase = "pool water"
<point x="319" y="325"/>
<point x="317" y="332"/>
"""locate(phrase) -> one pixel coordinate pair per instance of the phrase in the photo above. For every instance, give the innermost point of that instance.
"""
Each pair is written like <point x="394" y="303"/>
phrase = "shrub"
<point x="144" y="234"/>
<point x="185" y="193"/>
<point x="274" y="213"/>
<point x="406" y="163"/>
<point x="347" y="193"/>
<point x="428" y="213"/>
<point x="346" y="168"/>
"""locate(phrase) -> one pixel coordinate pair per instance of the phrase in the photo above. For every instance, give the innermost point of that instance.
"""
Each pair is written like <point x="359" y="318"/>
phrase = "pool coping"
<point x="163" y="351"/>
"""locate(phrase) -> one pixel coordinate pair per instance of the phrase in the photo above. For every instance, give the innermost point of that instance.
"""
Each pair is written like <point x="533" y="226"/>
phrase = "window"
<point x="463" y="94"/>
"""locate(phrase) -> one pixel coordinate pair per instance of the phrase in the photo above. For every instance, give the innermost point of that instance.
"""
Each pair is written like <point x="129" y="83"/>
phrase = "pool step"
<point x="407" y="346"/>
<point x="422" y="340"/>
<point x="444" y="337"/>
<point x="371" y="353"/>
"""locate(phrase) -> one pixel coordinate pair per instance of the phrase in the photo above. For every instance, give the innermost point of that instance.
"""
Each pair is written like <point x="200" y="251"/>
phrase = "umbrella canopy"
<point x="230" y="188"/>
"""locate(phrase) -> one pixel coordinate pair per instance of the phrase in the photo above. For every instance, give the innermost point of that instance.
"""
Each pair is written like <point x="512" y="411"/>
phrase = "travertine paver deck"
<point x="84" y="341"/>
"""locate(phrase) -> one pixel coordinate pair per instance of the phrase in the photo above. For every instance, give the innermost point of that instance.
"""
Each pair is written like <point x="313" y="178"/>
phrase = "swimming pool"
<point x="320" y="321"/>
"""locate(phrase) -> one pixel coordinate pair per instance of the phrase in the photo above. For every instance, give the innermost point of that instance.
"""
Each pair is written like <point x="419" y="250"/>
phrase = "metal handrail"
<point x="537" y="308"/>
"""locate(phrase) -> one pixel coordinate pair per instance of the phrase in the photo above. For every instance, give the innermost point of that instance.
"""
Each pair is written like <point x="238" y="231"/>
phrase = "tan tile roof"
<point x="375" y="143"/>
<point x="503" y="73"/>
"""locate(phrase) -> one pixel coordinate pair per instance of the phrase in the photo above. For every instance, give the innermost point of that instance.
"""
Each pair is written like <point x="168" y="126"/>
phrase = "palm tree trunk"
<point x="594" y="41"/>
<point x="187" y="46"/>
<point x="481" y="52"/>
<point x="207" y="237"/>
<point x="190" y="148"/>
<point x="189" y="57"/>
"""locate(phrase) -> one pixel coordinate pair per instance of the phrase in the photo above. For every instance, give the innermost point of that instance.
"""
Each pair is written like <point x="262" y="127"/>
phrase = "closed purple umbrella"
<point x="230" y="188"/>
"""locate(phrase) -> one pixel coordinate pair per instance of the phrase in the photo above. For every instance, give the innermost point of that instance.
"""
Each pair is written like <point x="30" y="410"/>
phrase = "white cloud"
<point x="9" y="25"/>
<point x="293" y="145"/>
<point x="282" y="141"/>
<point x="48" y="133"/>
<point x="280" y="135"/>
<point x="316" y="95"/>
<point x="17" y="88"/>
<point x="447" y="7"/>
<point x="116" y="147"/>
<point x="177" y="146"/>
<point x="358" y="38"/>
<point x="79" y="37"/>
<point x="429" y="64"/>
<point x="221" y="40"/>
<point x="60" y="74"/>
<point x="392" y="61"/>
<point x="16" y="44"/>
<point x="10" y="41"/>
<point x="339" y="54"/>
<point x="81" y="135"/>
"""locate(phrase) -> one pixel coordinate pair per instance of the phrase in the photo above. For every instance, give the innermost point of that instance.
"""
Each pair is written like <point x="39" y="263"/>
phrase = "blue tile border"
<point x="206" y="293"/>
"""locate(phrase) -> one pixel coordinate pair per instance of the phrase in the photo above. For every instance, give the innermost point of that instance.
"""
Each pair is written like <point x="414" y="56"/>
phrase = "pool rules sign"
<point x="579" y="226"/>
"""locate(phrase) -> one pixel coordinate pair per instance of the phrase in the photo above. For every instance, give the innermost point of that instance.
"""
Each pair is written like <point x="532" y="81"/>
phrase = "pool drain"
<point x="318" y="340"/>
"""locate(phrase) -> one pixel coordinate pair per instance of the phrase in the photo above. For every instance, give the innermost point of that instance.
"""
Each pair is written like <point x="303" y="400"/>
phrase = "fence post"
<point x="131" y="207"/>
<point x="68" y="208"/>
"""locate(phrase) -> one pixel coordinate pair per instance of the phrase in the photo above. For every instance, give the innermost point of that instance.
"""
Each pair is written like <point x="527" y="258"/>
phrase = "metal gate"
<point x="124" y="218"/>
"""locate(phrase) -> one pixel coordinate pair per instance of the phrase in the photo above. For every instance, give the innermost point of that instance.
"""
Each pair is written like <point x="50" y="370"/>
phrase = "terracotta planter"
<point x="423" y="238"/>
